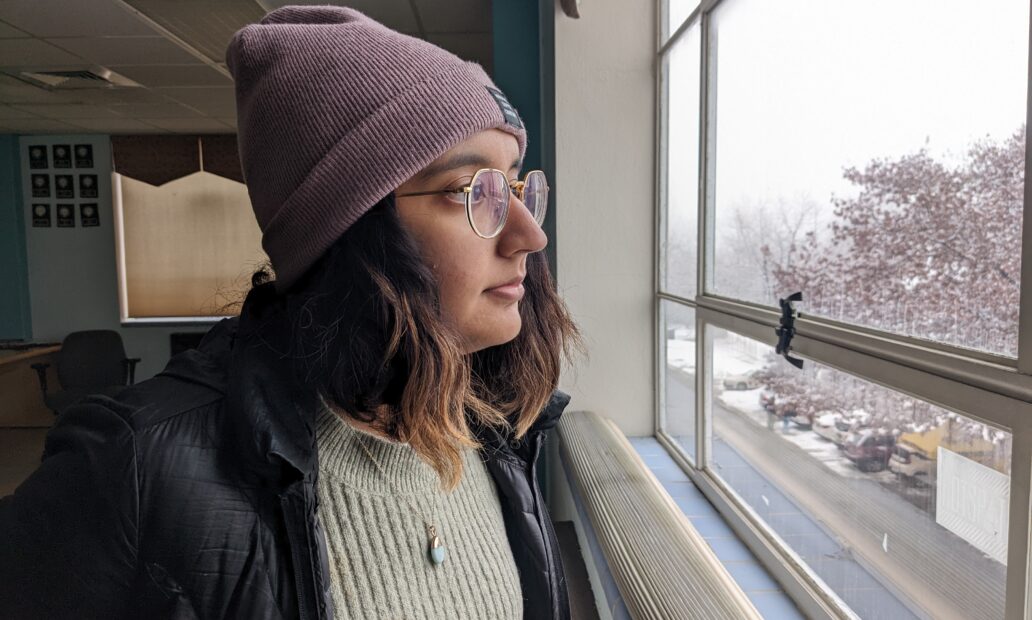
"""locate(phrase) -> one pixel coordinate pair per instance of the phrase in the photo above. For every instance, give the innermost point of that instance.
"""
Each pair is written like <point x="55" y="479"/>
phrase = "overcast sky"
<point x="805" y="87"/>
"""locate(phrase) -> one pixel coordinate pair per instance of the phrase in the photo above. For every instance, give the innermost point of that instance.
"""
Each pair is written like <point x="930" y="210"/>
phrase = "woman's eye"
<point x="455" y="195"/>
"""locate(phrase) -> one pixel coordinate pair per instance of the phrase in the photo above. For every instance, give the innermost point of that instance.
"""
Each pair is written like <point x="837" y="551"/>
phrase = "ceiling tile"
<point x="7" y="111"/>
<point x="112" y="96"/>
<point x="64" y="18"/>
<point x="116" y="125"/>
<point x="395" y="14"/>
<point x="214" y="97"/>
<point x="64" y="111"/>
<point x="190" y="124"/>
<point x="36" y="125"/>
<point x="205" y="25"/>
<point x="34" y="53"/>
<point x="8" y="31"/>
<point x="173" y="75"/>
<point x="153" y="110"/>
<point x="127" y="50"/>
<point x="16" y="91"/>
<point x="454" y="15"/>
<point x="216" y="110"/>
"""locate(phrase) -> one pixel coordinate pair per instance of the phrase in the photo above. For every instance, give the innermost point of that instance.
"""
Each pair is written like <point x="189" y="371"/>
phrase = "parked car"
<point x="912" y="464"/>
<point x="870" y="449"/>
<point x="783" y="408"/>
<point x="802" y="419"/>
<point x="744" y="381"/>
<point x="856" y="420"/>
<point x="825" y="424"/>
<point x="916" y="456"/>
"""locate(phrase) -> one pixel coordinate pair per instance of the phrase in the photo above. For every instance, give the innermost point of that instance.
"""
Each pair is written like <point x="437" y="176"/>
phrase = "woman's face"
<point x="466" y="265"/>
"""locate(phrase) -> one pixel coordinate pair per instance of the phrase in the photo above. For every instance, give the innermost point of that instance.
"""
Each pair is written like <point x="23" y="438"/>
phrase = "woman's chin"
<point x="503" y="334"/>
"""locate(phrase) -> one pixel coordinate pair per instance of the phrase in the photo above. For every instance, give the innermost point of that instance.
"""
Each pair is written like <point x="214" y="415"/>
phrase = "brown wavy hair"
<point x="368" y="334"/>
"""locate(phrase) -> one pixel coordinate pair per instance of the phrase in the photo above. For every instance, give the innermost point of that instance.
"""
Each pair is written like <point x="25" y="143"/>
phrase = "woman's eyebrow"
<point x="459" y="161"/>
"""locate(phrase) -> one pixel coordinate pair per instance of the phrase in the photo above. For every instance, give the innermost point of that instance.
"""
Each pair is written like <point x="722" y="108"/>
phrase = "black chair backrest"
<point x="91" y="359"/>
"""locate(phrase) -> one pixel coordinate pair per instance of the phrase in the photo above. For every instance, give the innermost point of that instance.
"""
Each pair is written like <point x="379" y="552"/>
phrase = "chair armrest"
<point x="41" y="372"/>
<point x="130" y="364"/>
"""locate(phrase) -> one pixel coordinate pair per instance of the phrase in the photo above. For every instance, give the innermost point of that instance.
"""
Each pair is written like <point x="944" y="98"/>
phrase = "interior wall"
<point x="605" y="175"/>
<point x="72" y="274"/>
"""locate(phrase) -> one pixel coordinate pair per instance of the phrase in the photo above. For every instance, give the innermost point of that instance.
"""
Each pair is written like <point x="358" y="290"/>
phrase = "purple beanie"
<point x="335" y="111"/>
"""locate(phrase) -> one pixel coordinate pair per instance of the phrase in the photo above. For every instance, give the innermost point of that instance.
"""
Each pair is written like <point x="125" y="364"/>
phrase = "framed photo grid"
<point x="62" y="182"/>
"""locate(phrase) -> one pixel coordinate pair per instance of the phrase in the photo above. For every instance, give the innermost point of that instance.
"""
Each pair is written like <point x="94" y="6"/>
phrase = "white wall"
<point x="73" y="280"/>
<point x="605" y="175"/>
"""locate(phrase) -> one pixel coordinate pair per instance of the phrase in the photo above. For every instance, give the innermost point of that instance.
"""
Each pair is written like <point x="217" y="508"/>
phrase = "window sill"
<point x="174" y="321"/>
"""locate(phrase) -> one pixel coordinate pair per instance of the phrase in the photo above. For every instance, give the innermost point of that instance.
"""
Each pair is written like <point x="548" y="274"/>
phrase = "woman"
<point x="362" y="440"/>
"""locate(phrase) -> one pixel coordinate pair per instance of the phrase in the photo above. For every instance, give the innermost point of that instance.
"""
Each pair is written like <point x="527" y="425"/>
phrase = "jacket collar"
<point x="267" y="417"/>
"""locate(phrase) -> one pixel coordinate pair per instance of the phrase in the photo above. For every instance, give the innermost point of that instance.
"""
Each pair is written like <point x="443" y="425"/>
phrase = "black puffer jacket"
<point x="192" y="495"/>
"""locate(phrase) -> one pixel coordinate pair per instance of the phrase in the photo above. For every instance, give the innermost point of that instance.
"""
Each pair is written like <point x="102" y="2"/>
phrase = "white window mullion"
<point x="1018" y="537"/>
<point x="1025" y="313"/>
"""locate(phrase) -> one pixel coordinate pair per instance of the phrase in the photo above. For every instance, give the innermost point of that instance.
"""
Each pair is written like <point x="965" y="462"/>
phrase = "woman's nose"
<point x="521" y="231"/>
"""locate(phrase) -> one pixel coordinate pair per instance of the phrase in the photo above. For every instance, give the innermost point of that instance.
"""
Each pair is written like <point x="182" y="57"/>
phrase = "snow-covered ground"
<point x="681" y="354"/>
<point x="730" y="357"/>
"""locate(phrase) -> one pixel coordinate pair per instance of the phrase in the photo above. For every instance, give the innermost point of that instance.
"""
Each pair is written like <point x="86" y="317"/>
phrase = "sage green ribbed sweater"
<point x="377" y="546"/>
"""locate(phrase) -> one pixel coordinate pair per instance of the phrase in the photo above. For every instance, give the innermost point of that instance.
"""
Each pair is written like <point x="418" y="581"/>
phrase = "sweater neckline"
<point x="341" y="456"/>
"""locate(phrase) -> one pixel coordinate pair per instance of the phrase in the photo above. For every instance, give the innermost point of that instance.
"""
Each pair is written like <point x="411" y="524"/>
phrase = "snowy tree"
<point x="924" y="249"/>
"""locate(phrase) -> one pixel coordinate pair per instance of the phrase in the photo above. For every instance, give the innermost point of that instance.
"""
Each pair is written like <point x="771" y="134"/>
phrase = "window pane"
<point x="872" y="156"/>
<point x="681" y="215"/>
<point x="899" y="506"/>
<point x="678" y="351"/>
<point x="191" y="246"/>
<point x="677" y="12"/>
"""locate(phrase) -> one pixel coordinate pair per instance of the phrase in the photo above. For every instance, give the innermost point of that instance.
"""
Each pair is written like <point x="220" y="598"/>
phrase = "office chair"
<point x="89" y="362"/>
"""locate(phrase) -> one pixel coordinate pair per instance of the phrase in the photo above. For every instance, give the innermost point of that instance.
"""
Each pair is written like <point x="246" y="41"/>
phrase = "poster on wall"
<point x="87" y="186"/>
<point x="38" y="157"/>
<point x="63" y="186"/>
<point x="88" y="214"/>
<point x="41" y="186"/>
<point x="66" y="216"/>
<point x="83" y="155"/>
<point x="62" y="156"/>
<point x="40" y="215"/>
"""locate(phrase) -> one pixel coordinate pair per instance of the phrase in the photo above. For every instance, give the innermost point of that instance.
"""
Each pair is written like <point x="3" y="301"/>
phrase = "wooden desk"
<point x="21" y="401"/>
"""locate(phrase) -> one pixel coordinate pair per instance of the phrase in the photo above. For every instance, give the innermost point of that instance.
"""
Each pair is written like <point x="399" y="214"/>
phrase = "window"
<point x="876" y="527"/>
<point x="876" y="164"/>
<point x="681" y="188"/>
<point x="872" y="157"/>
<point x="187" y="247"/>
<point x="678" y="390"/>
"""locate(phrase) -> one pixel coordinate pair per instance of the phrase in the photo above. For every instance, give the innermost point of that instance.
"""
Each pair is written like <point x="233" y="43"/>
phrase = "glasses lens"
<point x="535" y="195"/>
<point x="489" y="201"/>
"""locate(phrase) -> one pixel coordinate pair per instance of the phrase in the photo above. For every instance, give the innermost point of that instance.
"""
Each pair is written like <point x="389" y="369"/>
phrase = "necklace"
<point x="435" y="547"/>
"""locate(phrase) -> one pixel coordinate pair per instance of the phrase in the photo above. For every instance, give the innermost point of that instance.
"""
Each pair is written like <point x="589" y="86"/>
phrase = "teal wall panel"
<point x="15" y="312"/>
<point x="523" y="36"/>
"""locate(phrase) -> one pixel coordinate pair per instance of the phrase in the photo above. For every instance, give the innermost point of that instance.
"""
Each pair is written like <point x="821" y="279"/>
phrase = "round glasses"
<point x="487" y="198"/>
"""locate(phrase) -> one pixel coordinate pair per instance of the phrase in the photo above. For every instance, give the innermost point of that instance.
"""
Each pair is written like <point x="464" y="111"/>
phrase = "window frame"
<point x="989" y="388"/>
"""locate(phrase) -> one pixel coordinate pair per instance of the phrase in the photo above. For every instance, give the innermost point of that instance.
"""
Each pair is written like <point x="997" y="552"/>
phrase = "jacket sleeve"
<point x="69" y="532"/>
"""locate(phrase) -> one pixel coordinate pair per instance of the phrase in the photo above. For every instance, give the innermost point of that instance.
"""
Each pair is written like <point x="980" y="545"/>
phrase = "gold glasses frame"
<point x="516" y="187"/>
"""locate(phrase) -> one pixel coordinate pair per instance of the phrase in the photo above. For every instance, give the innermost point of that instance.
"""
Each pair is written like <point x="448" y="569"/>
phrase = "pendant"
<point x="437" y="550"/>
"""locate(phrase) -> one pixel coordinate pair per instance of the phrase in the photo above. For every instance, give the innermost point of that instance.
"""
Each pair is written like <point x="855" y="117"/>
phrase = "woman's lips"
<point x="512" y="292"/>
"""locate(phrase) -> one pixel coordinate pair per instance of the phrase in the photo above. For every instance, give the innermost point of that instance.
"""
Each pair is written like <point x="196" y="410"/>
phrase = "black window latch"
<point x="787" y="329"/>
